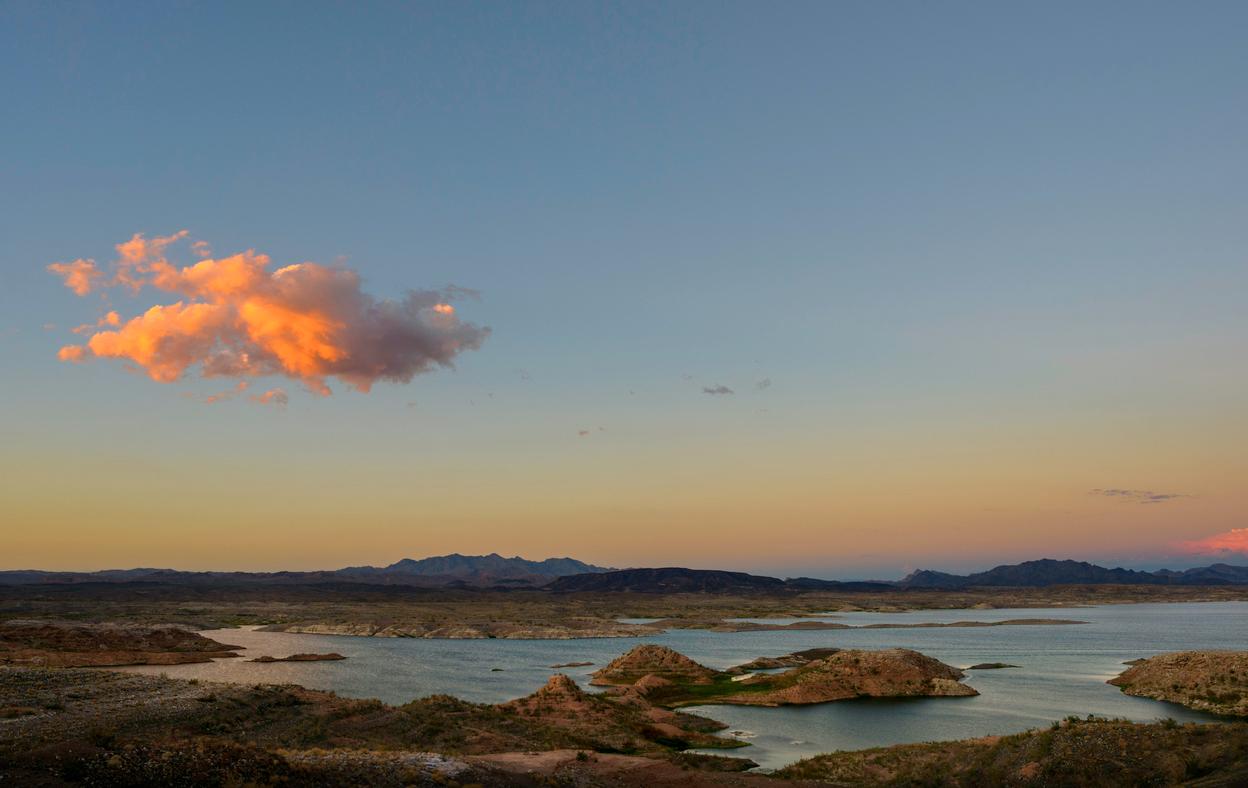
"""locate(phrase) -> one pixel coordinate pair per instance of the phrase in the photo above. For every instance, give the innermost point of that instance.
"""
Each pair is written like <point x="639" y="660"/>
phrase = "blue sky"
<point x="926" y="224"/>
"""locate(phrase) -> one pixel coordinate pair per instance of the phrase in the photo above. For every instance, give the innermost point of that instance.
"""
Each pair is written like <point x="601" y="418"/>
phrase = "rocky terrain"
<point x="1213" y="681"/>
<point x="1074" y="753"/>
<point x="615" y="720"/>
<point x="89" y="727"/>
<point x="100" y="717"/>
<point x="76" y="644"/>
<point x="667" y="678"/>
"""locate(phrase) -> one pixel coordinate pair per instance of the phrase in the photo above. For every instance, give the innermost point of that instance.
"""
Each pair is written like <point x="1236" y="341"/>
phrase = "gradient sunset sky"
<point x="837" y="289"/>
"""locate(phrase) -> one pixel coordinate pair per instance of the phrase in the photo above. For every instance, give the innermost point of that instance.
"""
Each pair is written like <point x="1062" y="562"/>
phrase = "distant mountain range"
<point x="1031" y="574"/>
<point x="678" y="580"/>
<point x="442" y="571"/>
<point x="568" y="575"/>
<point x="1049" y="572"/>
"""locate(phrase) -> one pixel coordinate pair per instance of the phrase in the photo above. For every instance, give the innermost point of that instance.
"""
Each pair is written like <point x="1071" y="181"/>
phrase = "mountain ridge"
<point x="570" y="575"/>
<point x="450" y="570"/>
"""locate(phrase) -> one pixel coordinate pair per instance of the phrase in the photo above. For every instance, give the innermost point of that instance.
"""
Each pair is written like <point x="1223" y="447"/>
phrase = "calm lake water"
<point x="1063" y="670"/>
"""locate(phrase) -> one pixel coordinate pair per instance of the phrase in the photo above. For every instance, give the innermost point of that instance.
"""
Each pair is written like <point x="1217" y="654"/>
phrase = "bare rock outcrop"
<point x="652" y="660"/>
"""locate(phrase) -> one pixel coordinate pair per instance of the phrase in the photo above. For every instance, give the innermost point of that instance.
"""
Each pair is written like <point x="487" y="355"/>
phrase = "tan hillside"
<point x="79" y="644"/>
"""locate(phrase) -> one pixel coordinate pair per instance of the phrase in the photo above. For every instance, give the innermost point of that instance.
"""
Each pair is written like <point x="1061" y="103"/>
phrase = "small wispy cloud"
<point x="1137" y="496"/>
<point x="765" y="383"/>
<point x="239" y="388"/>
<point x="582" y="433"/>
<point x="717" y="390"/>
<point x="277" y="397"/>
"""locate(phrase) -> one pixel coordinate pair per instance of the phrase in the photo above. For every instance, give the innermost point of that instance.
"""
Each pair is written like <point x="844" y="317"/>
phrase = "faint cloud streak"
<point x="1137" y="496"/>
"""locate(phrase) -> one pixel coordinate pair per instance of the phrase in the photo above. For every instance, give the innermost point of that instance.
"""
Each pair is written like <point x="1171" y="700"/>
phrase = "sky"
<point x="832" y="289"/>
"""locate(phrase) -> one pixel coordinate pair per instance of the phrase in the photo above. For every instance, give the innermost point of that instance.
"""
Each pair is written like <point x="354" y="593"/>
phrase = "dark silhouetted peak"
<point x="668" y="580"/>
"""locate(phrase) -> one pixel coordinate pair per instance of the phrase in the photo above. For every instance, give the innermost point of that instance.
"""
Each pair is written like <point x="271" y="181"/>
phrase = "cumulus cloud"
<point x="1138" y="496"/>
<point x="235" y="317"/>
<point x="717" y="390"/>
<point x="1232" y="541"/>
<point x="81" y="275"/>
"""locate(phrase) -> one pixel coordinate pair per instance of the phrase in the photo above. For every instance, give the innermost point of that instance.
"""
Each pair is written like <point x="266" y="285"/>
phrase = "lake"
<point x="1063" y="670"/>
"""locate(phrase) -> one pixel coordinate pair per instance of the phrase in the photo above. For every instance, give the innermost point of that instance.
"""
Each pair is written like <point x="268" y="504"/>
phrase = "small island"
<point x="1213" y="681"/>
<point x="331" y="657"/>
<point x="667" y="678"/>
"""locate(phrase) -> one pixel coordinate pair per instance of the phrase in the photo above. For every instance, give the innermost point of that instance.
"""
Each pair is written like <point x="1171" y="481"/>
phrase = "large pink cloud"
<point x="238" y="319"/>
<point x="1232" y="541"/>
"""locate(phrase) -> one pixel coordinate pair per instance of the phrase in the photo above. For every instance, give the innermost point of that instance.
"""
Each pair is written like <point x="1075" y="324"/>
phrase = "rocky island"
<point x="1213" y="681"/>
<point x="668" y="678"/>
<point x="331" y="657"/>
